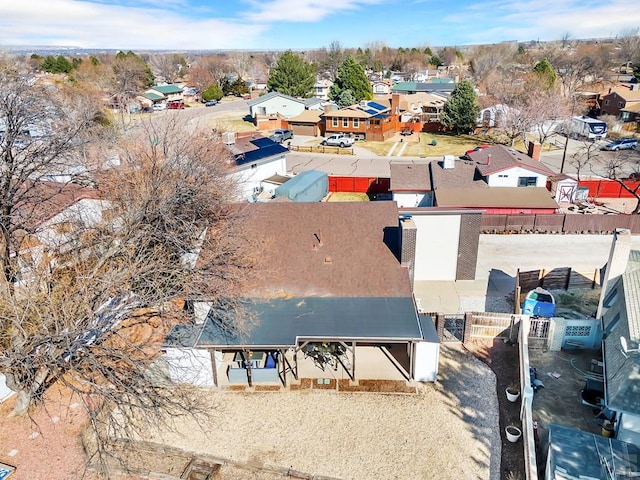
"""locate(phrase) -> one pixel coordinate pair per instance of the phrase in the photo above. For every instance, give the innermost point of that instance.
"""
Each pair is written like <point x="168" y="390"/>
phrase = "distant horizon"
<point x="278" y="25"/>
<point x="61" y="48"/>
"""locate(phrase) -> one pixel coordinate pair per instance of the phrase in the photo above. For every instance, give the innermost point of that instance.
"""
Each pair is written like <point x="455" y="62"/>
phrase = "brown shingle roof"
<point x="326" y="249"/>
<point x="503" y="158"/>
<point x="503" y="197"/>
<point x="307" y="116"/>
<point x="627" y="94"/>
<point x="413" y="177"/>
<point x="463" y="175"/>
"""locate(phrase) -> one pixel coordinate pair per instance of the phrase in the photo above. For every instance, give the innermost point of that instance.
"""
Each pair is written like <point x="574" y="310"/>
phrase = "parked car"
<point x="157" y="107"/>
<point x="175" y="106"/>
<point x="621" y="144"/>
<point x="210" y="103"/>
<point x="281" y="135"/>
<point x="338" y="140"/>
<point x="406" y="131"/>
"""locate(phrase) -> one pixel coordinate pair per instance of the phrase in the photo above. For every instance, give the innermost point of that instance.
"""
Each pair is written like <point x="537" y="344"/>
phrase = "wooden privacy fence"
<point x="358" y="184"/>
<point x="606" y="188"/>
<point x="321" y="149"/>
<point x="486" y="325"/>
<point x="493" y="325"/>
<point x="559" y="223"/>
<point x="558" y="278"/>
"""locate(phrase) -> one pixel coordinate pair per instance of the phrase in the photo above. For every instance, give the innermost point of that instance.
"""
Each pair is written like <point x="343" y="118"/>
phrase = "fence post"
<point x="466" y="332"/>
<point x="516" y="294"/>
<point x="568" y="280"/>
<point x="440" y="325"/>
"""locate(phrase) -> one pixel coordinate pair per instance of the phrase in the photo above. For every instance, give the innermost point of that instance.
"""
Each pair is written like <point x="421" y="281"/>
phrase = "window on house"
<point x="262" y="110"/>
<point x="620" y="104"/>
<point x="345" y="122"/>
<point x="503" y="176"/>
<point x="356" y="123"/>
<point x="527" y="181"/>
<point x="334" y="122"/>
<point x="606" y="103"/>
<point x="625" y="116"/>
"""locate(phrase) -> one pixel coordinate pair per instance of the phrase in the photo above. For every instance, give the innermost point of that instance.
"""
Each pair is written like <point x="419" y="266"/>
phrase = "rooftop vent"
<point x="328" y="260"/>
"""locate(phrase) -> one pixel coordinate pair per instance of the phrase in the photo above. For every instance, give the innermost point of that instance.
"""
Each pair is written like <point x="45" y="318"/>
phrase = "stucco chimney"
<point x="617" y="263"/>
<point x="408" y="236"/>
<point x="395" y="104"/>
<point x="534" y="150"/>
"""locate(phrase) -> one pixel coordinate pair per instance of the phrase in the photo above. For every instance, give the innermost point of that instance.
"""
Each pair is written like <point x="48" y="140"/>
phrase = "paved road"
<point x="601" y="158"/>
<point x="367" y="164"/>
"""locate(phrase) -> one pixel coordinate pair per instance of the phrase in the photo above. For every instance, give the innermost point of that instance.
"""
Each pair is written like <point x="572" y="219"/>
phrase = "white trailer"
<point x="588" y="127"/>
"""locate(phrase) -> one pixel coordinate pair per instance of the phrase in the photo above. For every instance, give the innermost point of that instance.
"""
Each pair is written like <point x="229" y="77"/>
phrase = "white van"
<point x="159" y="107"/>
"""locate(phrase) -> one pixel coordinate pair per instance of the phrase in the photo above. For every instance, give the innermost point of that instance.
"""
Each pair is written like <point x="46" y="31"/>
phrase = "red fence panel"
<point x="608" y="188"/>
<point x="359" y="184"/>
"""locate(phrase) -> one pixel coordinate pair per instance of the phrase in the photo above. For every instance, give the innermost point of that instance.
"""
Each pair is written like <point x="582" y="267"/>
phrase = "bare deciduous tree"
<point x="98" y="301"/>
<point x="44" y="132"/>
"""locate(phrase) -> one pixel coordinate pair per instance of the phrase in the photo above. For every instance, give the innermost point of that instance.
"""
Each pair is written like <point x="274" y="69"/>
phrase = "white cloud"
<point x="302" y="10"/>
<point x="70" y="22"/>
<point x="550" y="19"/>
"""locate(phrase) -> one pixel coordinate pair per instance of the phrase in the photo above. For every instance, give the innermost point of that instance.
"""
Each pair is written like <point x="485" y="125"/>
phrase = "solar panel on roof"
<point x="371" y="111"/>
<point x="377" y="106"/>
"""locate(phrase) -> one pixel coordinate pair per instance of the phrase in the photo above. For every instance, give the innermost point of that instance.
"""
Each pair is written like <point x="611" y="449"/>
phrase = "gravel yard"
<point x="448" y="430"/>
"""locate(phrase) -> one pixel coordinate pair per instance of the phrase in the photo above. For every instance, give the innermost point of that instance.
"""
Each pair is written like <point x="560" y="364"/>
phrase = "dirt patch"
<point x="503" y="359"/>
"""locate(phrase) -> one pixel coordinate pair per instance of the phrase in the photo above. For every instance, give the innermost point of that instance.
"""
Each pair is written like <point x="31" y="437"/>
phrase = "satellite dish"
<point x="625" y="347"/>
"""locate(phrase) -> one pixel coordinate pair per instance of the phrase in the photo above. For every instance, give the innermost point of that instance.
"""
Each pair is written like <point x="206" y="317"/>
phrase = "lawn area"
<point x="232" y="122"/>
<point x="348" y="197"/>
<point x="419" y="145"/>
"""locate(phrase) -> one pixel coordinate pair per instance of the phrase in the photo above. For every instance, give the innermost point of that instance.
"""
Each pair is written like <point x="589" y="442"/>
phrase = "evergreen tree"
<point x="545" y="73"/>
<point x="213" y="92"/>
<point x="461" y="109"/>
<point x="292" y="75"/>
<point x="63" y="65"/>
<point x="346" y="98"/>
<point x="351" y="76"/>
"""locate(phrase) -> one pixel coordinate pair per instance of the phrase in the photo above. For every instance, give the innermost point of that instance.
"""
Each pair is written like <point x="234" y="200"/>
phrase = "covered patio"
<point x="326" y="339"/>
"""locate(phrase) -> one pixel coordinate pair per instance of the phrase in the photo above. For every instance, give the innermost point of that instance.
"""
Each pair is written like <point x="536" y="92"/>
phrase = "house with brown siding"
<point x="620" y="98"/>
<point x="367" y="120"/>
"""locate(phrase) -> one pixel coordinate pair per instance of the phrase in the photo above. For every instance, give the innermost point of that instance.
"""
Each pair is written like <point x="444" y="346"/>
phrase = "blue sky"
<point x="305" y="24"/>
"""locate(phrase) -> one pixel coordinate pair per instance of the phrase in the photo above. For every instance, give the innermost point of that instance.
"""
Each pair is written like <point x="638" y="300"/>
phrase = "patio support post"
<point x="247" y="366"/>
<point x="284" y="368"/>
<point x="353" y="360"/>
<point x="214" y="367"/>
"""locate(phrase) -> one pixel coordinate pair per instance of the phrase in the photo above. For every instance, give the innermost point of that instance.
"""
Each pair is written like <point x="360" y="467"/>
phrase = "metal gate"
<point x="453" y="328"/>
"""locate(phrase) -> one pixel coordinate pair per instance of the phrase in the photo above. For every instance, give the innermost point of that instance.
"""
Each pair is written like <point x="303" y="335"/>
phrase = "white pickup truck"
<point x="338" y="140"/>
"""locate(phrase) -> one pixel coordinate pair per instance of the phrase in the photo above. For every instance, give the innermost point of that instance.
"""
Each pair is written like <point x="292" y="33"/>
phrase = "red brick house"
<point x="620" y="98"/>
<point x="367" y="120"/>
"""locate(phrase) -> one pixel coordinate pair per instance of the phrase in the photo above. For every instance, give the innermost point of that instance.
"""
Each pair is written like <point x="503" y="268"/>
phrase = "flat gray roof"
<point x="282" y="322"/>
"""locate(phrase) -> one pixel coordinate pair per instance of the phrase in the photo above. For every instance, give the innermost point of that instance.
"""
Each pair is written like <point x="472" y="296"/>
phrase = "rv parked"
<point x="588" y="127"/>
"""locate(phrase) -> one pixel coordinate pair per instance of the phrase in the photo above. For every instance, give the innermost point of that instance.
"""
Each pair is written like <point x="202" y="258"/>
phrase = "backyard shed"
<point x="308" y="186"/>
<point x="563" y="188"/>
